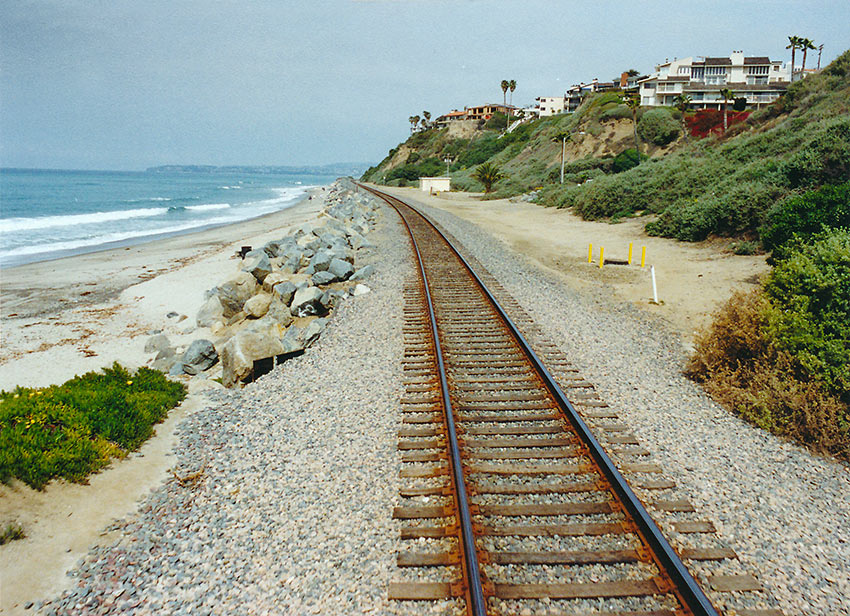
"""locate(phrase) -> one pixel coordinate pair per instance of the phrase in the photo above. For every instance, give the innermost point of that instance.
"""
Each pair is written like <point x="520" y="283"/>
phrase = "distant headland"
<point x="339" y="169"/>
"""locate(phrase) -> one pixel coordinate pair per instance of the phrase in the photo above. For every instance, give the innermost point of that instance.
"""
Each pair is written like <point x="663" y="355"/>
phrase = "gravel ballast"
<point x="784" y="510"/>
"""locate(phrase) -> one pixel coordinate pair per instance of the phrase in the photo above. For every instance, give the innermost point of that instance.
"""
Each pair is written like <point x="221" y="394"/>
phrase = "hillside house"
<point x="757" y="78"/>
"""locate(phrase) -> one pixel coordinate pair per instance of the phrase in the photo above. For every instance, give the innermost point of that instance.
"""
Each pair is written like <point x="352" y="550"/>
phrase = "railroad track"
<point x="510" y="501"/>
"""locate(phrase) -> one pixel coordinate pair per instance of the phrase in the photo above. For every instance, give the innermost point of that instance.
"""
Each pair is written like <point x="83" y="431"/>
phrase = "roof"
<point x="454" y="113"/>
<point x="757" y="60"/>
<point x="717" y="62"/>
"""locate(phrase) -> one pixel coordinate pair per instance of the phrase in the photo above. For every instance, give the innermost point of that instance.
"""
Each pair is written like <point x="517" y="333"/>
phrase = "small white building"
<point x="434" y="185"/>
<point x="758" y="79"/>
<point x="549" y="105"/>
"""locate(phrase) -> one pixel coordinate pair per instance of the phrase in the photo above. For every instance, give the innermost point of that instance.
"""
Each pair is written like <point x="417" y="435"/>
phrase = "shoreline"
<point x="75" y="314"/>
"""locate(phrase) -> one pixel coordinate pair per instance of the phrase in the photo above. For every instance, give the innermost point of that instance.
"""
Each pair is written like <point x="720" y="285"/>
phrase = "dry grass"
<point x="740" y="366"/>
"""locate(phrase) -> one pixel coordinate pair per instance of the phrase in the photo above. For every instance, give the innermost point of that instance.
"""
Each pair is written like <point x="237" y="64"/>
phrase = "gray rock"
<point x="176" y="369"/>
<point x="360" y="289"/>
<point x="363" y="273"/>
<point x="235" y="292"/>
<point x="291" y="265"/>
<point x="307" y="302"/>
<point x="201" y="355"/>
<point x="257" y="264"/>
<point x="284" y="291"/>
<point x="272" y="279"/>
<point x="331" y="298"/>
<point x="211" y="312"/>
<point x="323" y="278"/>
<point x="299" y="338"/>
<point x="342" y="270"/>
<point x="321" y="260"/>
<point x="157" y="343"/>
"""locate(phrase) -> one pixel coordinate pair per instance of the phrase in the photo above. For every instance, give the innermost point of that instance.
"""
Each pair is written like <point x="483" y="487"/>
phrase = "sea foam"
<point x="10" y="225"/>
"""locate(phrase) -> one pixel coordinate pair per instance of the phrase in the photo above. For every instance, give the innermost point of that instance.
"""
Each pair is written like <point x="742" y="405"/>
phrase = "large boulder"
<point x="157" y="343"/>
<point x="299" y="338"/>
<point x="258" y="305"/>
<point x="242" y="350"/>
<point x="321" y="260"/>
<point x="235" y="292"/>
<point x="342" y="270"/>
<point x="210" y="313"/>
<point x="307" y="302"/>
<point x="323" y="278"/>
<point x="201" y="355"/>
<point x="363" y="273"/>
<point x="257" y="264"/>
<point x="284" y="291"/>
<point x="279" y="312"/>
<point x="272" y="279"/>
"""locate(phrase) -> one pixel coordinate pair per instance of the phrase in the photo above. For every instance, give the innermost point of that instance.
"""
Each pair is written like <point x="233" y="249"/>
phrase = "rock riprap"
<point x="277" y="301"/>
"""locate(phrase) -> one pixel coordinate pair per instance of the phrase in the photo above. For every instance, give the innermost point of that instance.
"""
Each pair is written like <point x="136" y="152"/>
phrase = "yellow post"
<point x="643" y="256"/>
<point x="590" y="253"/>
<point x="630" y="253"/>
<point x="601" y="256"/>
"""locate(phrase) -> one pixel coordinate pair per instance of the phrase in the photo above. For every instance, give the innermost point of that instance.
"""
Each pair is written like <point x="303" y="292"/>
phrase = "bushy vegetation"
<point x="73" y="429"/>
<point x="807" y="214"/>
<point x="658" y="126"/>
<point x="780" y="356"/>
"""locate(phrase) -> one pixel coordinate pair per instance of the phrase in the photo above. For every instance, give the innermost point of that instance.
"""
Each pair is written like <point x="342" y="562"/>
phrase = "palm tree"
<point x="488" y="174"/>
<point x="726" y="93"/>
<point x="806" y="45"/>
<point x="427" y="120"/>
<point x="512" y="87"/>
<point x="505" y="85"/>
<point x="633" y="103"/>
<point x="682" y="102"/>
<point x="413" y="122"/>
<point x="562" y="138"/>
<point x="793" y="45"/>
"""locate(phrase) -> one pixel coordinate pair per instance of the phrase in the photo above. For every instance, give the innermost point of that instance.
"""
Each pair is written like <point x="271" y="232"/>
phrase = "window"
<point x="757" y="70"/>
<point x="715" y="70"/>
<point x="757" y="80"/>
<point x="684" y="70"/>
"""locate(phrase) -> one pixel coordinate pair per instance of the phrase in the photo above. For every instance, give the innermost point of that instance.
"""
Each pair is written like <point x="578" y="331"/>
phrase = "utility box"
<point x="435" y="185"/>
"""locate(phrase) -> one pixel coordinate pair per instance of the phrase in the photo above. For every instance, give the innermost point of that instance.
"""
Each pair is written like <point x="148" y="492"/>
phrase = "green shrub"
<point x="810" y="294"/>
<point x="619" y="112"/>
<point x="658" y="126"/>
<point x="72" y="430"/>
<point x="807" y="214"/>
<point x="627" y="159"/>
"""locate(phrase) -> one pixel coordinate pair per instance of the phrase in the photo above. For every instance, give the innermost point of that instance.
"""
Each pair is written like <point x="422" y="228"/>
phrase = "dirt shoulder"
<point x="692" y="280"/>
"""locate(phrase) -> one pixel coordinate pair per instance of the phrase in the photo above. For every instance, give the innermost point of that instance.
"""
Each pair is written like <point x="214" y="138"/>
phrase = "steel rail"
<point x="686" y="587"/>
<point x="477" y="603"/>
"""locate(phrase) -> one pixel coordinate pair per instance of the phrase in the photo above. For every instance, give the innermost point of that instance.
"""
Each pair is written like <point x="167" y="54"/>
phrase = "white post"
<point x="654" y="288"/>
<point x="563" y="153"/>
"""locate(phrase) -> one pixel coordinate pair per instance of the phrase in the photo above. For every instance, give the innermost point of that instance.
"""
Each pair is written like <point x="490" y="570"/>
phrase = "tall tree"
<point x="505" y="85"/>
<point x="726" y="93"/>
<point x="806" y="45"/>
<point x="633" y="103"/>
<point x="562" y="138"/>
<point x="682" y="103"/>
<point x="793" y="45"/>
<point x="488" y="174"/>
<point x="512" y="87"/>
<point x="427" y="120"/>
<point x="413" y="121"/>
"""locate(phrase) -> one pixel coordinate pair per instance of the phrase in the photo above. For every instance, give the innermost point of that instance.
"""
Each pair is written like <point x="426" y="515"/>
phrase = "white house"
<point x="549" y="105"/>
<point x="576" y="93"/>
<point x="758" y="79"/>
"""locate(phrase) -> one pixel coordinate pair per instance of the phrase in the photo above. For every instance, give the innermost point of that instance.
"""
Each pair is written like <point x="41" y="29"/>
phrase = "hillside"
<point x="689" y="189"/>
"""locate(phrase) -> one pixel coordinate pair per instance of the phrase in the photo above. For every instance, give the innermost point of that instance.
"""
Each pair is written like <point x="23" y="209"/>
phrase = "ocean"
<point x="46" y="214"/>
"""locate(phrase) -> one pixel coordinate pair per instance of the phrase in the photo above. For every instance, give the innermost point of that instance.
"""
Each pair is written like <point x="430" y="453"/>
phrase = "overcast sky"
<point x="120" y="84"/>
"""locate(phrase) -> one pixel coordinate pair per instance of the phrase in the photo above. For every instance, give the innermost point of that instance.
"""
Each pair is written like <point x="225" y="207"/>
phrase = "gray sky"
<point x="118" y="84"/>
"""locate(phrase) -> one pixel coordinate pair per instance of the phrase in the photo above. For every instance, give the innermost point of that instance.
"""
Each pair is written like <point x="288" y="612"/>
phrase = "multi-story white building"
<point x="549" y="105"/>
<point x="575" y="94"/>
<point x="758" y="79"/>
